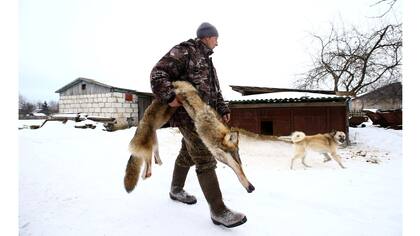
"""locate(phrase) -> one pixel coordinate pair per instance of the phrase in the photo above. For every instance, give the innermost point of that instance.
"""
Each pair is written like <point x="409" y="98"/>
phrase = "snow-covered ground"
<point x="71" y="183"/>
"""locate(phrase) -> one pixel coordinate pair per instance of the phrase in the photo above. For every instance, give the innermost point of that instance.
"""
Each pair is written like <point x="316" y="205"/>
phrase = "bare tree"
<point x="53" y="107"/>
<point x="25" y="107"/>
<point x="355" y="62"/>
<point x="390" y="6"/>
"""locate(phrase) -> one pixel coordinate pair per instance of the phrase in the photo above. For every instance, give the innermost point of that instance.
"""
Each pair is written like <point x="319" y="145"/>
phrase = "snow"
<point x="38" y="114"/>
<point x="71" y="183"/>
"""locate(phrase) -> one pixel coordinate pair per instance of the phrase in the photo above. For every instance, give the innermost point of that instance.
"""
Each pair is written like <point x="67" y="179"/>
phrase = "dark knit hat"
<point x="206" y="30"/>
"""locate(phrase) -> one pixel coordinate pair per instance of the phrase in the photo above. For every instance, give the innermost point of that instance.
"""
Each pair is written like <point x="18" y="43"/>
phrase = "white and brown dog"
<point x="322" y="143"/>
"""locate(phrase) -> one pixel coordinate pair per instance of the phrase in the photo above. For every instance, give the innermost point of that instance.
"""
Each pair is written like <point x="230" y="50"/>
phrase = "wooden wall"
<point x="143" y="103"/>
<point x="281" y="121"/>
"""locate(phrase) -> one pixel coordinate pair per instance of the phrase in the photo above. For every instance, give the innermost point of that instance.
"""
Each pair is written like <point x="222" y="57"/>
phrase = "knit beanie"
<point x="206" y="30"/>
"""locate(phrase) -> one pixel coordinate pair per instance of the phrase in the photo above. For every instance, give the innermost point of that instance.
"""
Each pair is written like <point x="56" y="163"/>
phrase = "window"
<point x="128" y="97"/>
<point x="267" y="127"/>
<point x="83" y="86"/>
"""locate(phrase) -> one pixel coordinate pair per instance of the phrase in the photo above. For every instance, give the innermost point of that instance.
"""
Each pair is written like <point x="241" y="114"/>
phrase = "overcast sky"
<point x="117" y="42"/>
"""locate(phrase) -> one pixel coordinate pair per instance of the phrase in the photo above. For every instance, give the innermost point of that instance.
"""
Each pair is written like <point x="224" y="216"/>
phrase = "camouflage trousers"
<point x="194" y="152"/>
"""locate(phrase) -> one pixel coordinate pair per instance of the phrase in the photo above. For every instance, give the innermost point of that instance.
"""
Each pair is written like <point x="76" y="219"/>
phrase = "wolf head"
<point x="231" y="145"/>
<point x="229" y="155"/>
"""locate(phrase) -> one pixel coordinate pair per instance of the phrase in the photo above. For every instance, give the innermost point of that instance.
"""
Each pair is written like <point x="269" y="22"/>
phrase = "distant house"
<point x="388" y="97"/>
<point x="88" y="96"/>
<point x="281" y="113"/>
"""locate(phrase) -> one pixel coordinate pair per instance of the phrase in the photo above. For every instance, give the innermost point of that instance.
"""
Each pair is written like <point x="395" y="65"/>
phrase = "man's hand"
<point x="176" y="102"/>
<point x="226" y="118"/>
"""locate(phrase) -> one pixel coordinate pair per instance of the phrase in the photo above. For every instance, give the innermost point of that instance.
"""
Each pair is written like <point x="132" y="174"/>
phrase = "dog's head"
<point x="339" y="136"/>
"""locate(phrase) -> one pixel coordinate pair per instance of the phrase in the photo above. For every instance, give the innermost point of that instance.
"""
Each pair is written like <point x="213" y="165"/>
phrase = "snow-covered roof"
<point x="80" y="79"/>
<point x="285" y="97"/>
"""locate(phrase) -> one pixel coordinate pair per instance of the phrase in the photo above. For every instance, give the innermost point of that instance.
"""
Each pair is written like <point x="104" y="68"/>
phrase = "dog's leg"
<point x="297" y="156"/>
<point x="303" y="161"/>
<point x="337" y="158"/>
<point x="327" y="157"/>
<point x="291" y="162"/>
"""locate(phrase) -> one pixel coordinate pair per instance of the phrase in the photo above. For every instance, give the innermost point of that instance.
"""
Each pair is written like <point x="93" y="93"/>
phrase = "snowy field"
<point x="71" y="183"/>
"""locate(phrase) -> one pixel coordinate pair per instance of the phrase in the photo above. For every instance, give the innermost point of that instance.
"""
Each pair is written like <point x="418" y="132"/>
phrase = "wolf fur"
<point x="322" y="143"/>
<point x="218" y="138"/>
<point x="144" y="144"/>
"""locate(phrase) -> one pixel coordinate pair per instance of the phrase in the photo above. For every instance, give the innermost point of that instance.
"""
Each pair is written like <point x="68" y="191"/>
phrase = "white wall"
<point x="104" y="105"/>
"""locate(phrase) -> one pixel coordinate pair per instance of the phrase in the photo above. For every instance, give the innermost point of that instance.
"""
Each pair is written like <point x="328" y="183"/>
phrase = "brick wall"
<point x="105" y="104"/>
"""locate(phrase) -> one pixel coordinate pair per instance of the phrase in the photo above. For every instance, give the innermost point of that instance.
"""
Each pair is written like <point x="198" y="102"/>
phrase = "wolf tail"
<point x="132" y="173"/>
<point x="297" y="136"/>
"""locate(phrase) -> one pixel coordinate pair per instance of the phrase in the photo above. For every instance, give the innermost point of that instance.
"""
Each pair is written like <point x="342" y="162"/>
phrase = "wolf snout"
<point x="250" y="188"/>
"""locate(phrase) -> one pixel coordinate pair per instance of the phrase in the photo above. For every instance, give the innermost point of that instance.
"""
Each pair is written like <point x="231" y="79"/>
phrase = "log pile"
<point x="391" y="119"/>
<point x="82" y="121"/>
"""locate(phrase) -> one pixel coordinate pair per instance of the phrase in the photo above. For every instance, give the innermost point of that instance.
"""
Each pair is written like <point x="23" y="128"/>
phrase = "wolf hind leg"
<point x="156" y="150"/>
<point x="147" y="170"/>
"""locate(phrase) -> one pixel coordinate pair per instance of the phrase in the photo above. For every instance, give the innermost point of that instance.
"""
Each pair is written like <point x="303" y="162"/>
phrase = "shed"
<point x="282" y="113"/>
<point x="84" y="95"/>
<point x="388" y="97"/>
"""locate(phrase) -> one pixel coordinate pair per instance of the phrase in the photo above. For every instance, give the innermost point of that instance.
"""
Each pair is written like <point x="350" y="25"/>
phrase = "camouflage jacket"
<point x="188" y="61"/>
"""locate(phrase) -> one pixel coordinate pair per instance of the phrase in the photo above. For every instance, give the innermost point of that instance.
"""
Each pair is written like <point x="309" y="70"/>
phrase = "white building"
<point x="97" y="99"/>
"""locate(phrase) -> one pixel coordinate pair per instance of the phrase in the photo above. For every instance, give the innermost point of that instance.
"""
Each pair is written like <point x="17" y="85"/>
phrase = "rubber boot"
<point x="220" y="214"/>
<point x="177" y="192"/>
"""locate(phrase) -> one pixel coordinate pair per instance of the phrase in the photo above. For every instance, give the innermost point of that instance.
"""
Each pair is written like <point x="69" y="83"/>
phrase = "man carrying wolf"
<point x="190" y="61"/>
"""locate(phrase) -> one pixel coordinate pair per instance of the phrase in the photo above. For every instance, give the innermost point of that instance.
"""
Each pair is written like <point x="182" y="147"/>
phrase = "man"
<point x="190" y="61"/>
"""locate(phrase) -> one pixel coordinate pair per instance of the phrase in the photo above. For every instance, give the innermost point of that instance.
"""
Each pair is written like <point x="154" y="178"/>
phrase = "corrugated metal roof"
<point x="251" y="90"/>
<point x="290" y="100"/>
<point x="285" y="97"/>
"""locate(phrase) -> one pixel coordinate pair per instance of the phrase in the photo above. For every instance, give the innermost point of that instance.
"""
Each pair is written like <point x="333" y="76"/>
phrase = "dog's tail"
<point x="297" y="136"/>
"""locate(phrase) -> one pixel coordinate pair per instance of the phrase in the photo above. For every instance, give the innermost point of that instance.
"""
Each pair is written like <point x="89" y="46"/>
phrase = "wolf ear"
<point x="231" y="139"/>
<point x="234" y="137"/>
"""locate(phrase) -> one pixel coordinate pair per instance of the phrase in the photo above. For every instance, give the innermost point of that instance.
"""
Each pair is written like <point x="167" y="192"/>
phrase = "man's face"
<point x="211" y="42"/>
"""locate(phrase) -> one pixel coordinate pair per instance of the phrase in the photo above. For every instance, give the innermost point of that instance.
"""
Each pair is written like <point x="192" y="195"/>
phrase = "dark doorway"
<point x="267" y="127"/>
